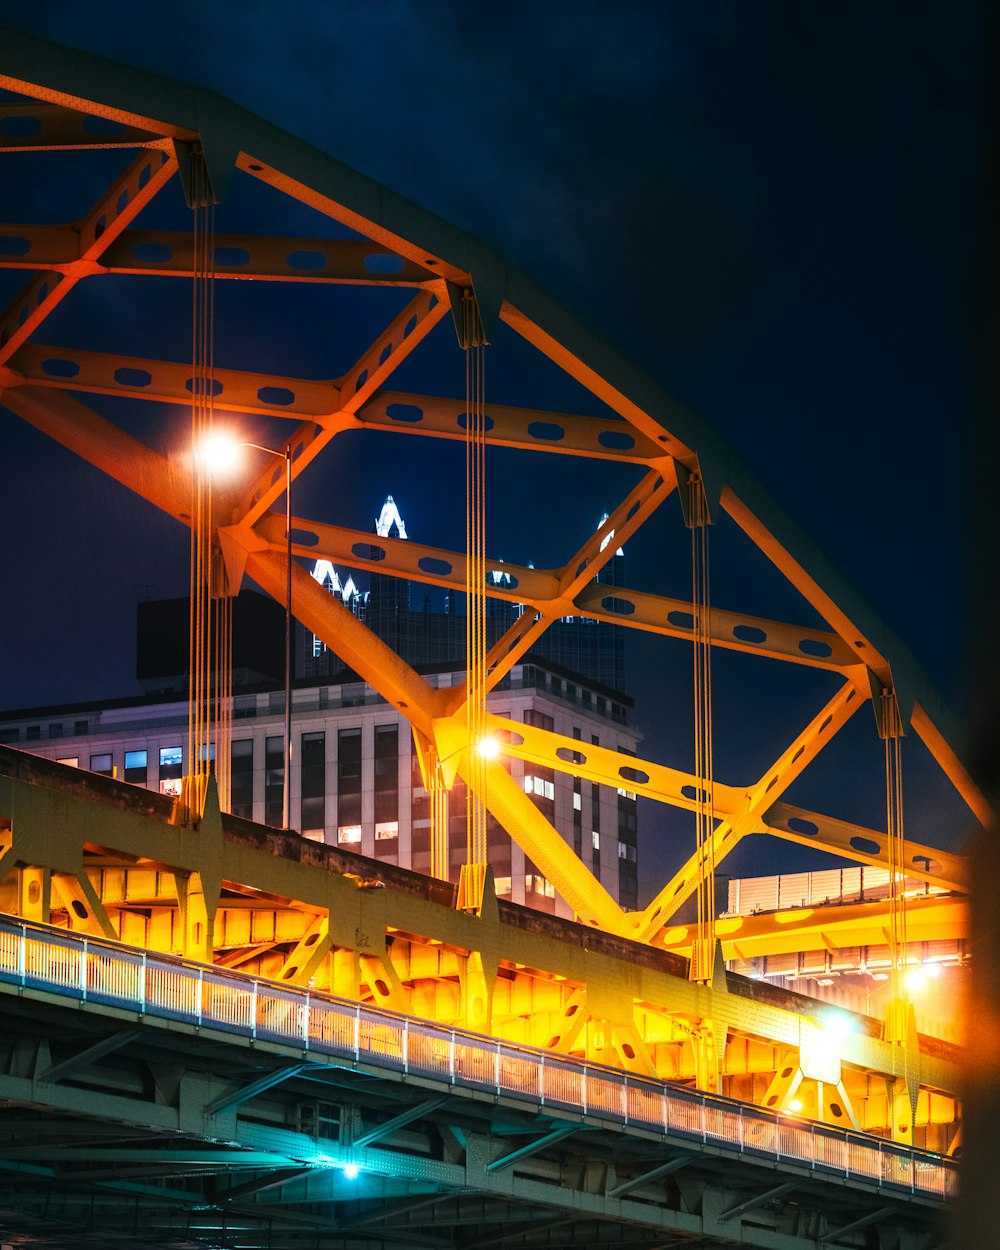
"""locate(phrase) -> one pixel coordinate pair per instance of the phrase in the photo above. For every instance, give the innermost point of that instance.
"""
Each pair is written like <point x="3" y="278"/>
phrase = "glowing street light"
<point x="219" y="453"/>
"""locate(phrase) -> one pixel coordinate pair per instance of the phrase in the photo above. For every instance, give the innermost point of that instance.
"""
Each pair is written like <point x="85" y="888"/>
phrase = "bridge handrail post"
<point x="541" y="1080"/>
<point x="83" y="970"/>
<point x="253" y="1009"/>
<point x="405" y="1045"/>
<point x="496" y="1067"/>
<point x="22" y="956"/>
<point x="451" y="1055"/>
<point x="357" y="1032"/>
<point x="306" y="1017"/>
<point x="201" y="995"/>
<point x="143" y="974"/>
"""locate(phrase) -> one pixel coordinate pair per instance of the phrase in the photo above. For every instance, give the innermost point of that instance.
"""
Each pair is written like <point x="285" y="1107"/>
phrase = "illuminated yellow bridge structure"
<point x="228" y="1033"/>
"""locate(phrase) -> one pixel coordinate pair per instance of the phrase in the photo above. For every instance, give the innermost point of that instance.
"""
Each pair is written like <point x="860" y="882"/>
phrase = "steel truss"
<point x="163" y="129"/>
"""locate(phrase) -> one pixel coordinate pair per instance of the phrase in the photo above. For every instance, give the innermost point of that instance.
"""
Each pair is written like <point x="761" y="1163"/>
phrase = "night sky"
<point x="774" y="209"/>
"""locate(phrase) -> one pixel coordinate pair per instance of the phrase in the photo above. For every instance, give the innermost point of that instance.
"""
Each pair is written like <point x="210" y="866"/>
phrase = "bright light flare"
<point x="838" y="1027"/>
<point x="488" y="747"/>
<point x="915" y="980"/>
<point x="218" y="454"/>
<point x="351" y="1171"/>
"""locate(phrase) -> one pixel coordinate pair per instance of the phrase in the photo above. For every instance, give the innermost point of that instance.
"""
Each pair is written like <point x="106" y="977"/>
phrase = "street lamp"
<point x="218" y="453"/>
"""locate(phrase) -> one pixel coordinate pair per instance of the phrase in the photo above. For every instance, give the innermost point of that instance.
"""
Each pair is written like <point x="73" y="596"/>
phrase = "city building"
<point x="355" y="776"/>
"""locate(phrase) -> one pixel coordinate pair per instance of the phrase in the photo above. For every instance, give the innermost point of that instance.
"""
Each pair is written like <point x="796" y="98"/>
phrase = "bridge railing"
<point x="92" y="969"/>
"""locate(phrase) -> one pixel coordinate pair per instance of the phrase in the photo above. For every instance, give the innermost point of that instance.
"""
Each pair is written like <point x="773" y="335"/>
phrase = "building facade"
<point x="355" y="777"/>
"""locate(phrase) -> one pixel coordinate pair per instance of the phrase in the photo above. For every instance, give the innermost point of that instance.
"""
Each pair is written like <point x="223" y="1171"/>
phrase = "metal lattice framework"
<point x="88" y="117"/>
<point x="77" y="105"/>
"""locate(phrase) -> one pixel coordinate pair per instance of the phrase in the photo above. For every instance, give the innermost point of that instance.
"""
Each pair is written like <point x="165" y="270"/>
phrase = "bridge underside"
<point x="113" y="1124"/>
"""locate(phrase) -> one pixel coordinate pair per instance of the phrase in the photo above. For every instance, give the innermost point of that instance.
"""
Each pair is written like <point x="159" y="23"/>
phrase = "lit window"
<point x="539" y="885"/>
<point x="538" y="785"/>
<point x="347" y="834"/>
<point x="171" y="766"/>
<point x="171" y="786"/>
<point x="577" y="801"/>
<point x="502" y="885"/>
<point x="627" y="794"/>
<point x="386" y="830"/>
<point x="72" y="761"/>
<point x="136" y="767"/>
<point x="101" y="764"/>
<point x="595" y="838"/>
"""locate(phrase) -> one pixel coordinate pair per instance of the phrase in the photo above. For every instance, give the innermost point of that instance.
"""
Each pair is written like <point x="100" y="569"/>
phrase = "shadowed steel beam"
<point x="514" y="1230"/>
<point x="105" y="1047"/>
<point x="872" y="1218"/>
<point x="247" y="1092"/>
<point x="549" y="1139"/>
<point x="273" y="1180"/>
<point x="390" y="1210"/>
<point x="769" y="1196"/>
<point x="653" y="1174"/>
<point x="405" y="1117"/>
<point x="64" y="129"/>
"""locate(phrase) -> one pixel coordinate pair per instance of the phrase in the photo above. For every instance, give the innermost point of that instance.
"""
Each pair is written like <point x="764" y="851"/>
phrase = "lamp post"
<point x="218" y="453"/>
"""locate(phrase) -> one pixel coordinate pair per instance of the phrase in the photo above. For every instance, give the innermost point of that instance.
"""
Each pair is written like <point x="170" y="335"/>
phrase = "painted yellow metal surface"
<point x="98" y="856"/>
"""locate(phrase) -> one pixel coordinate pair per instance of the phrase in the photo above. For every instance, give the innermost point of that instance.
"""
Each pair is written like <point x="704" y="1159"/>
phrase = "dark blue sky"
<point x="773" y="208"/>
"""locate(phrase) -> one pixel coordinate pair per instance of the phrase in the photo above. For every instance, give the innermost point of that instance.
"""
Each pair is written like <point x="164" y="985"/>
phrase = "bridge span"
<point x="338" y="1087"/>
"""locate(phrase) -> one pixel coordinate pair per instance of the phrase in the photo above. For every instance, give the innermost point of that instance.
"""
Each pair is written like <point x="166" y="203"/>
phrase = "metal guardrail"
<point x="163" y="986"/>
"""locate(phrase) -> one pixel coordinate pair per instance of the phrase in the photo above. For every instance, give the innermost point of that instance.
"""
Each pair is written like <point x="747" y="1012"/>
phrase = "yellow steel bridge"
<point x="634" y="991"/>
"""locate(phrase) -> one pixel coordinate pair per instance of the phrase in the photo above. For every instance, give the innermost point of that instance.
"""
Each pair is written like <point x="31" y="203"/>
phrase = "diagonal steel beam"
<point x="745" y="817"/>
<point x="630" y="514"/>
<point x="405" y="1117"/>
<point x="106" y="1046"/>
<point x="251" y="1090"/>
<point x="364" y="377"/>
<point x="871" y="1218"/>
<point x="346" y="636"/>
<point x="123" y="201"/>
<point x="545" y="847"/>
<point x="540" y="1143"/>
<point x="654" y="1174"/>
<point x="271" y="1180"/>
<point x="106" y="446"/>
<point x="604" y="766"/>
<point x="758" y="1200"/>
